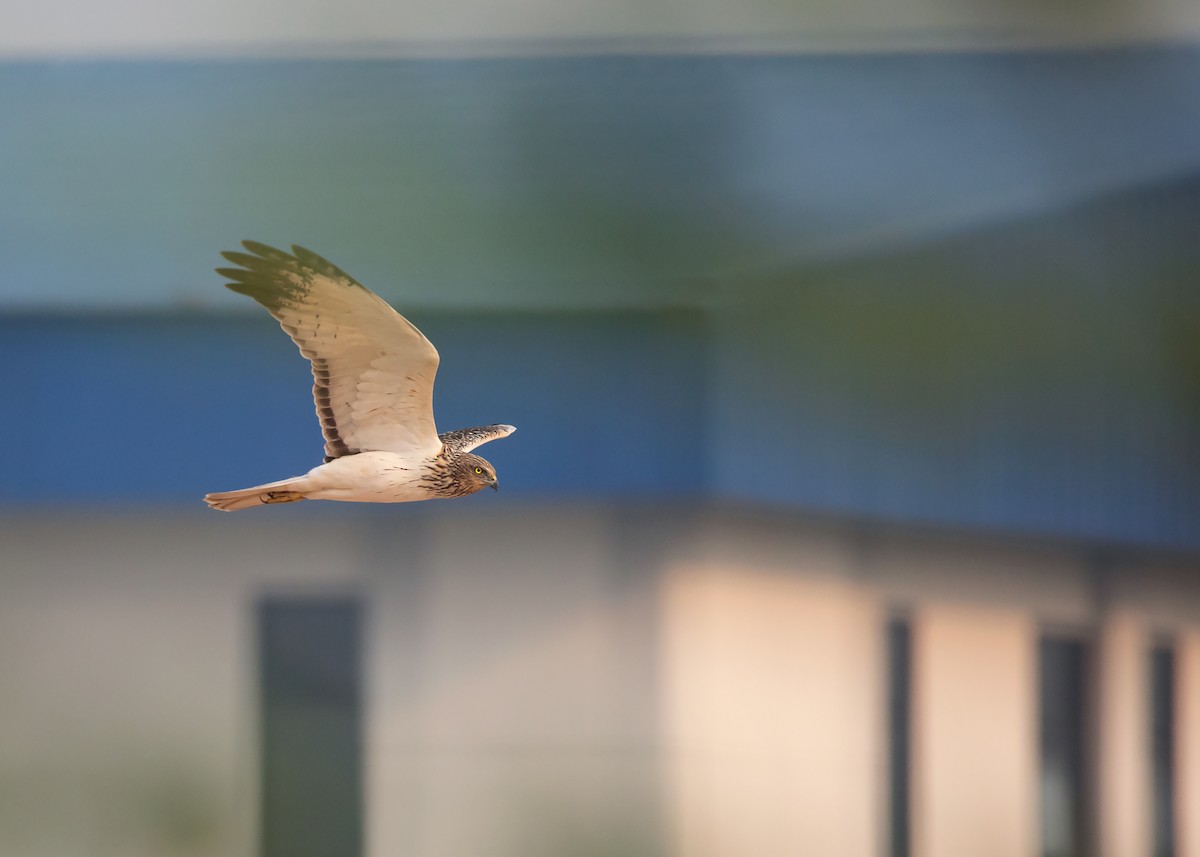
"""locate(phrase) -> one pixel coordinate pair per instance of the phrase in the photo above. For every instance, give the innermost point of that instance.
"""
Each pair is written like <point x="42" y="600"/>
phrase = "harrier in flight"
<point x="373" y="386"/>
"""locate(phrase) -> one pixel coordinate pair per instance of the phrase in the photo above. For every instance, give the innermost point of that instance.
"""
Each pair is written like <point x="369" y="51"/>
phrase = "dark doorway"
<point x="311" y="685"/>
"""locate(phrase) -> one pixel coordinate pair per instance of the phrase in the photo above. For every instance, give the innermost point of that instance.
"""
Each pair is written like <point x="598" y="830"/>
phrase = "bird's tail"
<point x="285" y="491"/>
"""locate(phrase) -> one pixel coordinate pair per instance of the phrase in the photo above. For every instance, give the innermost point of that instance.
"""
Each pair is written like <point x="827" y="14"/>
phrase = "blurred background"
<point x="855" y="504"/>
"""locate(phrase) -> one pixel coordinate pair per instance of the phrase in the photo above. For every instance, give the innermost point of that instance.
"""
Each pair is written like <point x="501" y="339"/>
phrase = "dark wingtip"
<point x="260" y="249"/>
<point x="320" y="264"/>
<point x="267" y="274"/>
<point x="242" y="259"/>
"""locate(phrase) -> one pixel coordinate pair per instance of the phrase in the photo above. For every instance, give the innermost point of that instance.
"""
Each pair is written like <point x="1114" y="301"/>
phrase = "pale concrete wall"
<point x="1123" y="737"/>
<point x="974" y="774"/>
<point x="127" y="687"/>
<point x="773" y="706"/>
<point x="1187" y="737"/>
<point x="509" y="680"/>
<point x="554" y="679"/>
<point x="511" y="704"/>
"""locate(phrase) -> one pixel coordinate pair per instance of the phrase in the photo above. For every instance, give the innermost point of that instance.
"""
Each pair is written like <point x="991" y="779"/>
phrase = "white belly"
<point x="369" y="477"/>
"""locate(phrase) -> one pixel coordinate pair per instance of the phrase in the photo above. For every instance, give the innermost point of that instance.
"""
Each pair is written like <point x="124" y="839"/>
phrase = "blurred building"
<point x="854" y="504"/>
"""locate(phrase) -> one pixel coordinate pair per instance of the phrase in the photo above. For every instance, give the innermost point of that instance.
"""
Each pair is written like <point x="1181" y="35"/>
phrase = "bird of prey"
<point x="373" y="386"/>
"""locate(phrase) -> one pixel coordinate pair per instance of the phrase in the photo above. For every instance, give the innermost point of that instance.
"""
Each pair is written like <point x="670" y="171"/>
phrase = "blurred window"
<point x="899" y="645"/>
<point x="1162" y="725"/>
<point x="311" y="698"/>
<point x="1063" y="745"/>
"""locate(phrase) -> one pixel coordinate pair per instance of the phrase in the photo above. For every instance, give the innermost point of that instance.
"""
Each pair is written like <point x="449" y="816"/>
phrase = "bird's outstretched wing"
<point x="373" y="370"/>
<point x="464" y="440"/>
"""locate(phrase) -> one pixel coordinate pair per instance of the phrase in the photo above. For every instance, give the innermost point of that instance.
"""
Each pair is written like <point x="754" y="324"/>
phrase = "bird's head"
<point x="475" y="473"/>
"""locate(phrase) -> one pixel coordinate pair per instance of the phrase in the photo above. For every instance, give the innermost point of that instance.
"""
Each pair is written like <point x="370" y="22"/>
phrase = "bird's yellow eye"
<point x="479" y="470"/>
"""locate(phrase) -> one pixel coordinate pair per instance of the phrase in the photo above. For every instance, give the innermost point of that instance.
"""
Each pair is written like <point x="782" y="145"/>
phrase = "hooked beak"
<point x="495" y="484"/>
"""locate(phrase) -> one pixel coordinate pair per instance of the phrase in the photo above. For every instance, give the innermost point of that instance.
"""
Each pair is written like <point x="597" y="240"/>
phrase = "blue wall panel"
<point x="917" y="390"/>
<point x="159" y="409"/>
<point x="164" y="408"/>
